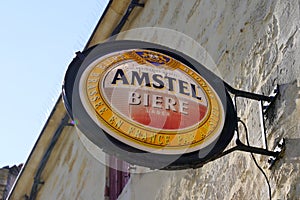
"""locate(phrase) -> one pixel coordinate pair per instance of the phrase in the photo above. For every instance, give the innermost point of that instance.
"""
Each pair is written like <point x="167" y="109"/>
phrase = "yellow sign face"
<point x="152" y="102"/>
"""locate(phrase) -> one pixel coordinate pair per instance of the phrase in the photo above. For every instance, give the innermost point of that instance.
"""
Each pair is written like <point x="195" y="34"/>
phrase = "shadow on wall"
<point x="287" y="119"/>
<point x="289" y="93"/>
<point x="283" y="121"/>
<point x="285" y="105"/>
<point x="292" y="154"/>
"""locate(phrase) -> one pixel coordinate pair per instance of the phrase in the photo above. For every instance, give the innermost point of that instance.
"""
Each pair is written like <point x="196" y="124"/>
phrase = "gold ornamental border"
<point x="121" y="127"/>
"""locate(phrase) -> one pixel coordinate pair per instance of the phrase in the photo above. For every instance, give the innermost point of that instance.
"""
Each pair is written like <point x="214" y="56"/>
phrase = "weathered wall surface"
<point x="8" y="176"/>
<point x="255" y="45"/>
<point x="4" y="173"/>
<point x="72" y="172"/>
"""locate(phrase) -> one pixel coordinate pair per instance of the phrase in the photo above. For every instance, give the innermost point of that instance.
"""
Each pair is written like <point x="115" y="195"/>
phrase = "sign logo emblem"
<point x="151" y="101"/>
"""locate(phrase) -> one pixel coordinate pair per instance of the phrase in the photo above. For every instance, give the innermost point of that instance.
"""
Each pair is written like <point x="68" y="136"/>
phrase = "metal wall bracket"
<point x="279" y="150"/>
<point x="264" y="107"/>
<point x="274" y="155"/>
<point x="136" y="3"/>
<point x="265" y="102"/>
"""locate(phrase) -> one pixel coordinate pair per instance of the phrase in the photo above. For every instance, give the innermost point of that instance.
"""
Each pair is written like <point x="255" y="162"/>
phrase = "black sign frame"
<point x="131" y="154"/>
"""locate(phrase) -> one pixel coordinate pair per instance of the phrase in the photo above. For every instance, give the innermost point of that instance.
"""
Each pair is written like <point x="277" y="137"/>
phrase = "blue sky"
<point x="38" y="40"/>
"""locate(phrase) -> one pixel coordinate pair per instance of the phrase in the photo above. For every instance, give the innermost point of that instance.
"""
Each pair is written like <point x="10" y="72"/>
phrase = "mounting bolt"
<point x="280" y="147"/>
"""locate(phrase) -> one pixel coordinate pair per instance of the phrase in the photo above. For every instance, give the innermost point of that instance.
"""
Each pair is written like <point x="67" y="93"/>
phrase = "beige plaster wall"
<point x="255" y="45"/>
<point x="72" y="172"/>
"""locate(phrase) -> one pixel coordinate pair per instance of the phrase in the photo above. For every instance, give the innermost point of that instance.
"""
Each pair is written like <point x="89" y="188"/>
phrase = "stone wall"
<point x="3" y="181"/>
<point x="8" y="176"/>
<point x="255" y="45"/>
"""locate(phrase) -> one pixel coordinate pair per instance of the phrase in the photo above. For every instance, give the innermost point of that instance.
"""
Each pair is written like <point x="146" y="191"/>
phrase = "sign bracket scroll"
<point x="265" y="102"/>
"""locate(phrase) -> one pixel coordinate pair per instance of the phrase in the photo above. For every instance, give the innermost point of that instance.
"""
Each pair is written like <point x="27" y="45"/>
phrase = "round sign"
<point x="146" y="98"/>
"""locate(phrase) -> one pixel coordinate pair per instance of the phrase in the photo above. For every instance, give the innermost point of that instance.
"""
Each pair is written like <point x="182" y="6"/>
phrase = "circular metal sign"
<point x="151" y="101"/>
<point x="134" y="97"/>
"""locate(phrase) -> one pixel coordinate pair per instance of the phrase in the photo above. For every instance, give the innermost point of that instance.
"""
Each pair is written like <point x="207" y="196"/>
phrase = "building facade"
<point x="8" y="176"/>
<point x="255" y="45"/>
